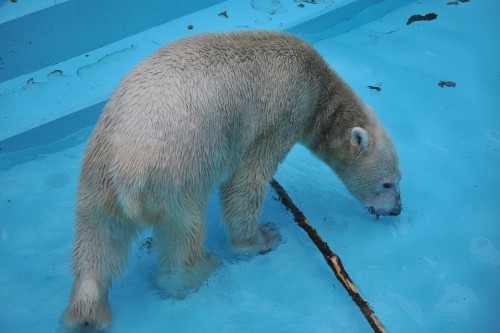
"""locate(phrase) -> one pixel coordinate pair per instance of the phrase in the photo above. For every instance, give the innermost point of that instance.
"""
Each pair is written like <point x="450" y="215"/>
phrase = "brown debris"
<point x="426" y="17"/>
<point x="450" y="84"/>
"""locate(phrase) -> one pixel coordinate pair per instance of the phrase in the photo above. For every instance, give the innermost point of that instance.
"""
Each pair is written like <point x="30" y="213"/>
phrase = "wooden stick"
<point x="331" y="258"/>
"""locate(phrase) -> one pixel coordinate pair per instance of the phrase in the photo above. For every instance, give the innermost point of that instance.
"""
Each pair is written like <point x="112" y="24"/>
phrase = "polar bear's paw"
<point x="181" y="282"/>
<point x="270" y="238"/>
<point x="266" y="239"/>
<point x="87" y="311"/>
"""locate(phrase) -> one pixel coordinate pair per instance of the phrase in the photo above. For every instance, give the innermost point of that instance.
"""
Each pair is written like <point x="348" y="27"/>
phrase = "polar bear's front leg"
<point x="242" y="197"/>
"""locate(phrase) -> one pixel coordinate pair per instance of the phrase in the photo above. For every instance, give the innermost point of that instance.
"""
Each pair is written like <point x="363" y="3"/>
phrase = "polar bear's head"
<point x="370" y="166"/>
<point x="362" y="154"/>
<point x="372" y="174"/>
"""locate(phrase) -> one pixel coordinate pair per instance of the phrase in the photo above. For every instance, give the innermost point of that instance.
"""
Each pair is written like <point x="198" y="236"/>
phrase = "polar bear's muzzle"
<point x="387" y="211"/>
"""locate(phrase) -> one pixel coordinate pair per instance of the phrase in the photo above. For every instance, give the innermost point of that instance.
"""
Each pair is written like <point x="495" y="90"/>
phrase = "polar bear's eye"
<point x="388" y="185"/>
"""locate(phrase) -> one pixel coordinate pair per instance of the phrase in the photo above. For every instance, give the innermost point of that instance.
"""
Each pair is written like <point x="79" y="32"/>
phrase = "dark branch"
<point x="331" y="258"/>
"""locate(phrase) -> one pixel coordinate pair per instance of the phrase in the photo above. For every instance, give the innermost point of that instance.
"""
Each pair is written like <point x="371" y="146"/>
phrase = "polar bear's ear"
<point x="359" y="137"/>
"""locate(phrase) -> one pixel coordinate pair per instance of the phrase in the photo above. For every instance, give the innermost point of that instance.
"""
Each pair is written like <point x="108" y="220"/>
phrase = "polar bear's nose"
<point x="396" y="210"/>
<point x="393" y="210"/>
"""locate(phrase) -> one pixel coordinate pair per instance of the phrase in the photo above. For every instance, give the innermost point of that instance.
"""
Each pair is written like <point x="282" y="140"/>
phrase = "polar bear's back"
<point x="230" y="78"/>
<point x="191" y="111"/>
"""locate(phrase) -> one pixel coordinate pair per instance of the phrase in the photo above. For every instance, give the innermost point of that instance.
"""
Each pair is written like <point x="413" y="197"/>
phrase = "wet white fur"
<point x="213" y="110"/>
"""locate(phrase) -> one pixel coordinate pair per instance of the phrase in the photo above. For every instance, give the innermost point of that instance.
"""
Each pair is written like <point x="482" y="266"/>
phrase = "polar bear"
<point x="213" y="110"/>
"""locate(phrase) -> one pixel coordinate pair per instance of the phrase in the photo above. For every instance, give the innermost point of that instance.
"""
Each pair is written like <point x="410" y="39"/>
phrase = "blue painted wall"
<point x="74" y="27"/>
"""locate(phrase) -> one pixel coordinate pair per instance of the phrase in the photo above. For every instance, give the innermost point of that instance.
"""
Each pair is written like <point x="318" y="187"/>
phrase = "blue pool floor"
<point x="434" y="268"/>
